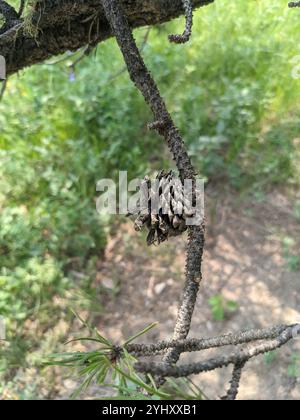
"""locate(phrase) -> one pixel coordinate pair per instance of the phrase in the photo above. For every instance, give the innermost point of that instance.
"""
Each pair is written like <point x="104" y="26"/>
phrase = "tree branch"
<point x="238" y="358"/>
<point x="65" y="25"/>
<point x="235" y="382"/>
<point x="194" y="344"/>
<point x="182" y="39"/>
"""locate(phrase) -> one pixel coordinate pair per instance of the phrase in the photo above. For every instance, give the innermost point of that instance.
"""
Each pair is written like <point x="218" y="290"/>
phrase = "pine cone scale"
<point x="165" y="210"/>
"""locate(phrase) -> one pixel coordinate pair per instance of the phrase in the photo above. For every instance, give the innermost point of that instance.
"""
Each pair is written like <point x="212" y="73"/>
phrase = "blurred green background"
<point x="232" y="95"/>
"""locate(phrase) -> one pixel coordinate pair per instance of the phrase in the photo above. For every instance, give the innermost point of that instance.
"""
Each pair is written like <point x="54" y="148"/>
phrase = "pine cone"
<point x="164" y="209"/>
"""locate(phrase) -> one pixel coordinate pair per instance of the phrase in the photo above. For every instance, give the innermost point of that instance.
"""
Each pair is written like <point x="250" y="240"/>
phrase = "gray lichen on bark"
<point x="65" y="25"/>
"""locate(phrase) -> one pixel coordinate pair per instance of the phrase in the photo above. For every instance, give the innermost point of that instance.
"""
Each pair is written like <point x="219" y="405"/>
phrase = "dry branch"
<point x="195" y="344"/>
<point x="182" y="39"/>
<point x="237" y="358"/>
<point x="65" y="25"/>
<point x="235" y="382"/>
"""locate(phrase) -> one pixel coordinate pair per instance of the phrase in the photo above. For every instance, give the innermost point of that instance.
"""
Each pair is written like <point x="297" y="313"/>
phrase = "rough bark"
<point x="237" y="358"/>
<point x="57" y="26"/>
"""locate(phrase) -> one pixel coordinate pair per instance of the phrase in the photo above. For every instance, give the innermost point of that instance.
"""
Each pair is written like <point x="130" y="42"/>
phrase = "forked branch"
<point x="238" y="358"/>
<point x="195" y="344"/>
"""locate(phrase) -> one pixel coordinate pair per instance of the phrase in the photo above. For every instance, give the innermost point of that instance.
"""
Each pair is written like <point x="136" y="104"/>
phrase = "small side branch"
<point x="185" y="37"/>
<point x="237" y="358"/>
<point x="235" y="382"/>
<point x="21" y="8"/>
<point x="194" y="344"/>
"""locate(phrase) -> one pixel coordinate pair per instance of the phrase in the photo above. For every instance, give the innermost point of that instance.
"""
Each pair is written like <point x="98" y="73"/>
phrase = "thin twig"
<point x="235" y="382"/>
<point x="87" y="51"/>
<point x="195" y="248"/>
<point x="241" y="356"/>
<point x="21" y="8"/>
<point x="185" y="37"/>
<point x="141" y="77"/>
<point x="142" y="47"/>
<point x="194" y="344"/>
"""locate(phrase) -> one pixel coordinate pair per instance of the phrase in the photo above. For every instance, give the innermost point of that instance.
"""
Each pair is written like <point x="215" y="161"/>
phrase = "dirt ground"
<point x="244" y="262"/>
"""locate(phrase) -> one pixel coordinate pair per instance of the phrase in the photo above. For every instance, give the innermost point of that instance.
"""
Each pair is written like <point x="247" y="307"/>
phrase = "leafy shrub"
<point x="26" y="288"/>
<point x="26" y="294"/>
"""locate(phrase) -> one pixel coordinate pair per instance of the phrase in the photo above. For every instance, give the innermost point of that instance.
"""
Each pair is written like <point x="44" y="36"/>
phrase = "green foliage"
<point x="270" y="357"/>
<point x="48" y="225"/>
<point x="46" y="206"/>
<point x="105" y="364"/>
<point x="297" y="210"/>
<point x="24" y="295"/>
<point x="114" y="368"/>
<point x="291" y="254"/>
<point x="294" y="366"/>
<point x="220" y="307"/>
<point x="26" y="288"/>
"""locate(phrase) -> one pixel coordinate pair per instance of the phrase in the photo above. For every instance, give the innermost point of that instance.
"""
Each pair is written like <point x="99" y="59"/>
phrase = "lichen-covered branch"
<point x="235" y="382"/>
<point x="52" y="27"/>
<point x="182" y="39"/>
<point x="195" y="247"/>
<point x="112" y="357"/>
<point x="237" y="358"/>
<point x="165" y="126"/>
<point x="195" y="344"/>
